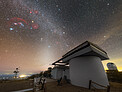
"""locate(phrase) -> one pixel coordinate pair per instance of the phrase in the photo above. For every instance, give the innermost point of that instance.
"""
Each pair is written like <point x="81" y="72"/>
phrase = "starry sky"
<point x="35" y="33"/>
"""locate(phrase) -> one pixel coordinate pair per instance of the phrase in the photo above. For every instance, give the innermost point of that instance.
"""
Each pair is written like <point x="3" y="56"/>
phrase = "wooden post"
<point x="108" y="88"/>
<point x="90" y="81"/>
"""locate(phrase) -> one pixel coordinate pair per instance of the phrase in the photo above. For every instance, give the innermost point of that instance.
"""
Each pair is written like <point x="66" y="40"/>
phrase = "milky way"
<point x="35" y="33"/>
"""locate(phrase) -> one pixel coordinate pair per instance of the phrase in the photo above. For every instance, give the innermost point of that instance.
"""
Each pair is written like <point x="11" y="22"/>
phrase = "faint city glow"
<point x="16" y="77"/>
<point x="22" y="76"/>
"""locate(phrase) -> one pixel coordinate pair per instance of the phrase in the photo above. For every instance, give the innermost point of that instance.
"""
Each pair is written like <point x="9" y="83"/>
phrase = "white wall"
<point x="57" y="73"/>
<point x="83" y="69"/>
<point x="54" y="73"/>
<point x="66" y="73"/>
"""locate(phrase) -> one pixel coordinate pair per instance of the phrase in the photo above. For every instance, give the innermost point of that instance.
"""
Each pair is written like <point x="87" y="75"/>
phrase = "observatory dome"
<point x="111" y="66"/>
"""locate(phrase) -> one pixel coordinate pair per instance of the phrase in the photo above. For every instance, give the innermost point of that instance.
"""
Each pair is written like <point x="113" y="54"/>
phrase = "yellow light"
<point x="22" y="76"/>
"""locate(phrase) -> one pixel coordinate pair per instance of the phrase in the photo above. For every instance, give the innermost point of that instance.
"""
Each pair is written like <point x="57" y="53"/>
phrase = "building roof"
<point x="61" y="67"/>
<point x="85" y="49"/>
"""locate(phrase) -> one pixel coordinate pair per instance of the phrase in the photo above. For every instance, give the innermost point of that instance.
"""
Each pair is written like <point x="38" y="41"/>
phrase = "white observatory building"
<point x="85" y="64"/>
<point x="111" y="66"/>
<point x="60" y="71"/>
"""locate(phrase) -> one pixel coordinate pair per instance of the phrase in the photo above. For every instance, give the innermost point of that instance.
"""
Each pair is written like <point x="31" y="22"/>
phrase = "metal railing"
<point x="92" y="82"/>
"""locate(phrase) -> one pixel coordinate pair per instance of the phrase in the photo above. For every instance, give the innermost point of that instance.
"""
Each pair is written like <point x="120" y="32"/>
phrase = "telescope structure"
<point x="85" y="64"/>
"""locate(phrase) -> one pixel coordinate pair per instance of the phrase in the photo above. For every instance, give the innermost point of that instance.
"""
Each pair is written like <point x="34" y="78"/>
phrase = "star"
<point x="104" y="36"/>
<point x="108" y="4"/>
<point x="11" y="29"/>
<point x="63" y="32"/>
<point x="41" y="39"/>
<point x="49" y="46"/>
<point x="56" y="5"/>
<point x="59" y="9"/>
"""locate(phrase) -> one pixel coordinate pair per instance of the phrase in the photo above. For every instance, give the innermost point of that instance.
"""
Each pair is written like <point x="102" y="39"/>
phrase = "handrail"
<point x="90" y="85"/>
<point x="99" y="84"/>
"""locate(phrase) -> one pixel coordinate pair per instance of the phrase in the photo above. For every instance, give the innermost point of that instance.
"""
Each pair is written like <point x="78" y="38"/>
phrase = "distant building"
<point x="111" y="66"/>
<point x="113" y="73"/>
<point x="6" y="76"/>
<point x="60" y="71"/>
<point x="84" y="64"/>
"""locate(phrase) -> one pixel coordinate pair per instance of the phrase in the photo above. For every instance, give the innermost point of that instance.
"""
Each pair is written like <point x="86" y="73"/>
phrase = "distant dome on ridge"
<point x="111" y="66"/>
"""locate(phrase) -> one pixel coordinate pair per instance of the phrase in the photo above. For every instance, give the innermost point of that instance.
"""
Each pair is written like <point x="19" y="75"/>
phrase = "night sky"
<point x="35" y="33"/>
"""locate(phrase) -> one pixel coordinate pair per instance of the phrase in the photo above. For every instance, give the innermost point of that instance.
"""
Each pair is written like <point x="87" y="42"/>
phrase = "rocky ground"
<point x="51" y="86"/>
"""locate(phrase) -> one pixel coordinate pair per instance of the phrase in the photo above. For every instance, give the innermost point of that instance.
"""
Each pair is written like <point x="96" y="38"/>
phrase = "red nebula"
<point x="30" y="11"/>
<point x="15" y="23"/>
<point x="18" y="19"/>
<point x="36" y="12"/>
<point x="15" y="20"/>
<point x="35" y="26"/>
